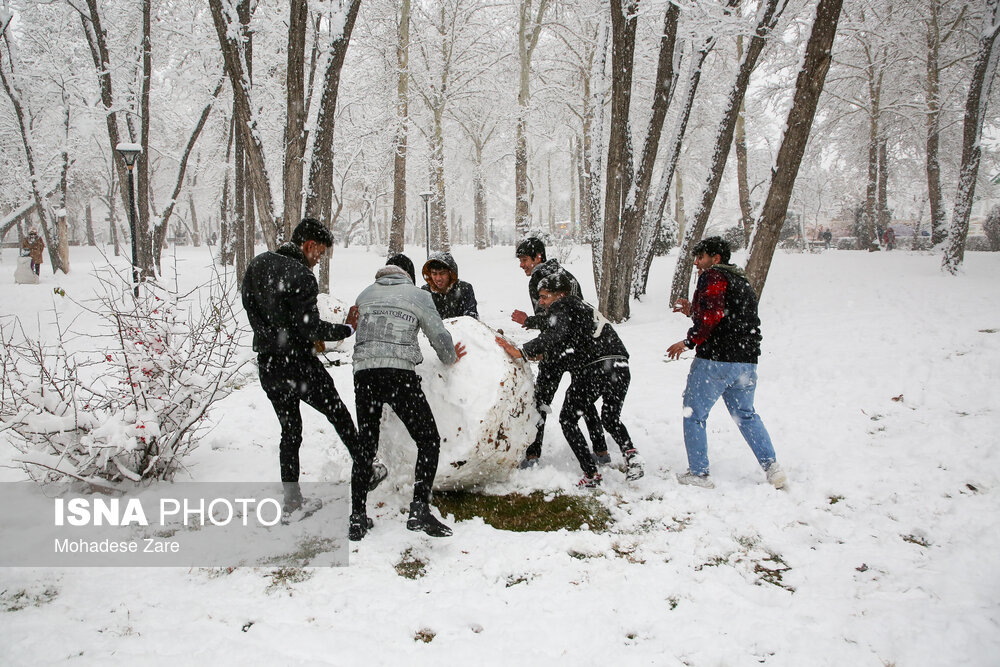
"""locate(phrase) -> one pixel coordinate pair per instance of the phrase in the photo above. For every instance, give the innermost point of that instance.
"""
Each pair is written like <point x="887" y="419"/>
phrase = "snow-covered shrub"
<point x="124" y="402"/>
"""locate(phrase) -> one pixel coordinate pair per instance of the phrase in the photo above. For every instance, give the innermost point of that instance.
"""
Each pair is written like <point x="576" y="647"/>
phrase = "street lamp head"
<point x="129" y="152"/>
<point x="426" y="195"/>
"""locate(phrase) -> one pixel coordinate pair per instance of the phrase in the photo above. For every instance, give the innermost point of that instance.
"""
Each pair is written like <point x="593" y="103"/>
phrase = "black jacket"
<point x="279" y="296"/>
<point x="724" y="310"/>
<point x="459" y="299"/>
<point x="575" y="336"/>
<point x="543" y="270"/>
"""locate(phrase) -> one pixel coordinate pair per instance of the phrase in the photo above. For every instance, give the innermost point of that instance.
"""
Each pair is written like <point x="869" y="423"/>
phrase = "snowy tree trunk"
<point x="808" y="87"/>
<point x="933" y="95"/>
<point x="319" y="202"/>
<point x="97" y="40"/>
<point x="768" y="16"/>
<point x="742" y="166"/>
<point x="594" y="147"/>
<point x="528" y="29"/>
<point x="163" y="225"/>
<point x="983" y="73"/>
<point x="624" y="269"/>
<point x="246" y="123"/>
<point x="398" y="227"/>
<point x="654" y="214"/>
<point x="619" y="179"/>
<point x="295" y="116"/>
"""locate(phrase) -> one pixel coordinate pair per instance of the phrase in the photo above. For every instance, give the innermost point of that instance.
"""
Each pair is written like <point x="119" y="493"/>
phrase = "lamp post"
<point x="427" y="218"/>
<point x="492" y="241"/>
<point x="129" y="153"/>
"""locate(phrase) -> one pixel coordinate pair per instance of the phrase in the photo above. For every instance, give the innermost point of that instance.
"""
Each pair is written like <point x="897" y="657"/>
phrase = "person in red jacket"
<point x="726" y="338"/>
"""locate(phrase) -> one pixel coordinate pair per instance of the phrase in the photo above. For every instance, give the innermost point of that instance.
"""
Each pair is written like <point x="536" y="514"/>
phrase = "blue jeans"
<point x="735" y="383"/>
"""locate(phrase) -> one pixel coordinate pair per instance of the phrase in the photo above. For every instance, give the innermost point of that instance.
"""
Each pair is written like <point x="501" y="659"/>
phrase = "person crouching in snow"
<point x="598" y="364"/>
<point x="452" y="297"/>
<point x="386" y="351"/>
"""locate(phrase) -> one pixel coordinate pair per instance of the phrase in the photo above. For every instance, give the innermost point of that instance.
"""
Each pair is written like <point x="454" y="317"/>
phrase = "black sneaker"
<point x="633" y="465"/>
<point x="379" y="473"/>
<point x="421" y="519"/>
<point x="360" y="525"/>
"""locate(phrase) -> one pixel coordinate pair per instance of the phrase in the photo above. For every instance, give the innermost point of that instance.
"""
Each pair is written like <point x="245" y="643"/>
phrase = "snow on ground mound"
<point x="483" y="406"/>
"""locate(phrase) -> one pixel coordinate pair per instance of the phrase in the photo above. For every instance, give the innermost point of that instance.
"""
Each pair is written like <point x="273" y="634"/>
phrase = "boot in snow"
<point x="422" y="519"/>
<point x="360" y="525"/>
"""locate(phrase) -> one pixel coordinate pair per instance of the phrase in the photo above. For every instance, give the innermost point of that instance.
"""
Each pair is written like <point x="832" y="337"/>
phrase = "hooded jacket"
<point x="576" y="336"/>
<point x="279" y="296"/>
<point x="458" y="298"/>
<point x="724" y="310"/>
<point x="543" y="270"/>
<point x="390" y="312"/>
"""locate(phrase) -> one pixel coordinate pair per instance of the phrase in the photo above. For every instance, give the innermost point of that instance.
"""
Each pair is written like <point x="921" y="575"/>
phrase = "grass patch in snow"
<point x="411" y="567"/>
<point x="537" y="511"/>
<point x="286" y="577"/>
<point x="18" y="600"/>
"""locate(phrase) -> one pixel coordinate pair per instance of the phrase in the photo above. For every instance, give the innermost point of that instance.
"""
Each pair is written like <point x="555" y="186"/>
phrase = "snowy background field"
<point x="877" y="383"/>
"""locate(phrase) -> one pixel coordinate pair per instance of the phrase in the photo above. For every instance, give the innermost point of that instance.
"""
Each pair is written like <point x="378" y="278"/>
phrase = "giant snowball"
<point x="484" y="409"/>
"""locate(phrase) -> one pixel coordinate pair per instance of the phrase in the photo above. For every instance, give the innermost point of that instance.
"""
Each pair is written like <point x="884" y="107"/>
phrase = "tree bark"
<point x="619" y="176"/>
<point x="983" y="74"/>
<point x="528" y="31"/>
<point x="769" y="14"/>
<point x="144" y="239"/>
<point x="319" y="202"/>
<point x="295" y="113"/>
<point x="808" y="87"/>
<point x="162" y="227"/>
<point x="654" y="216"/>
<point x="397" y="230"/>
<point x="97" y="40"/>
<point x="939" y="227"/>
<point x="232" y="54"/>
<point x="633" y="212"/>
<point x="742" y="166"/>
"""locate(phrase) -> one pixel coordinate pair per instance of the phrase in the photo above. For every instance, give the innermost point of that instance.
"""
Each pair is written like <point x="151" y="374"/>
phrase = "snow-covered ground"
<point x="877" y="383"/>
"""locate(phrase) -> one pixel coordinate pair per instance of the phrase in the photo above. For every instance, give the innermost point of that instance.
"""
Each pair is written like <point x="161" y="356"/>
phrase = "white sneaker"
<point x="776" y="476"/>
<point x="696" y="480"/>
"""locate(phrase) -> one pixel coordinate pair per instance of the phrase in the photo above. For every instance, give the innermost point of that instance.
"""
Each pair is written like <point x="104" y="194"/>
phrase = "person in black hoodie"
<point x="726" y="335"/>
<point x="279" y="295"/>
<point x="583" y="342"/>
<point x="531" y="257"/>
<point x="452" y="297"/>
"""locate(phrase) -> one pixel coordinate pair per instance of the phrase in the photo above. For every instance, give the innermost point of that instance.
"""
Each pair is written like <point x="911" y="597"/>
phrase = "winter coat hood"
<point x="390" y="313"/>
<point x="447" y="260"/>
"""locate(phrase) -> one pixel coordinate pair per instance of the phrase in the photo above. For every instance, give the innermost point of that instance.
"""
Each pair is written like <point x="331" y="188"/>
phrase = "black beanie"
<point x="403" y="262"/>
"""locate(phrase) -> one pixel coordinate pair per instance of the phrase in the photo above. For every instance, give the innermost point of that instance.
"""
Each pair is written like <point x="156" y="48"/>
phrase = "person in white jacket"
<point x="386" y="351"/>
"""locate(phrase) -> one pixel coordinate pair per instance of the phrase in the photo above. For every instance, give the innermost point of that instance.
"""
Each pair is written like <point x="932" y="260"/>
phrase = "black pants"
<point x="546" y="384"/>
<point x="609" y="381"/>
<point x="400" y="390"/>
<point x="289" y="380"/>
